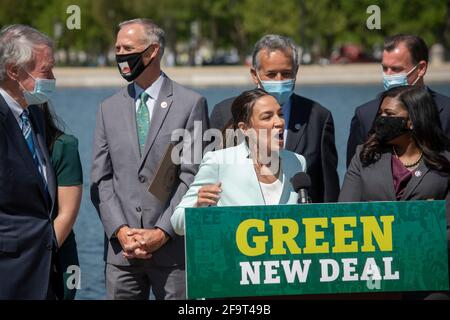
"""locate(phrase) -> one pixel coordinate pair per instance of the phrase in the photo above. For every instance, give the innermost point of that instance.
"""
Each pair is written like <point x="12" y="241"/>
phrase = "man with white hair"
<point x="134" y="129"/>
<point x="27" y="180"/>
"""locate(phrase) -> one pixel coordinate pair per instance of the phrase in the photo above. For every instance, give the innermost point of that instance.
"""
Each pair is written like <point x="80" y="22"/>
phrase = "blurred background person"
<point x="405" y="158"/>
<point x="405" y="61"/>
<point x="239" y="175"/>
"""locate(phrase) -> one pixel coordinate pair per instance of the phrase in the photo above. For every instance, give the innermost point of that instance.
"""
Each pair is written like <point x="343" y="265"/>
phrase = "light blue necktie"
<point x="143" y="121"/>
<point x="28" y="135"/>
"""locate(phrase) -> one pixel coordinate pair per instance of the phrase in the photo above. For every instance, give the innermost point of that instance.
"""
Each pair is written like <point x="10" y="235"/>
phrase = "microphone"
<point x="301" y="182"/>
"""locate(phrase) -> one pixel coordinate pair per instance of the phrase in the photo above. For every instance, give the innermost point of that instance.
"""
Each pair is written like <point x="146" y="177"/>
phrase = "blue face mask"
<point x="43" y="89"/>
<point x="398" y="79"/>
<point x="280" y="90"/>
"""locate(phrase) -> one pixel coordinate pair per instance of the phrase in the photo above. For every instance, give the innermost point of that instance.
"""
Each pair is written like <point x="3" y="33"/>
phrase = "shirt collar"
<point x="152" y="91"/>
<point x="13" y="105"/>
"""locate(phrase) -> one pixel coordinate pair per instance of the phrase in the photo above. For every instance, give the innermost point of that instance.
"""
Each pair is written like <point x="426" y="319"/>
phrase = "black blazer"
<point x="26" y="234"/>
<point x="314" y="139"/>
<point x="375" y="183"/>
<point x="365" y="115"/>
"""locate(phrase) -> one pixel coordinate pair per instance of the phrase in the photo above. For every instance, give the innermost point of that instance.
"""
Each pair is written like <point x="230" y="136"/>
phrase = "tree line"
<point x="318" y="26"/>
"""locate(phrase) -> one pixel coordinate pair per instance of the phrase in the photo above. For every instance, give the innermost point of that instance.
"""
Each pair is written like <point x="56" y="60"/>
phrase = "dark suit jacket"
<point x="26" y="233"/>
<point x="314" y="140"/>
<point x="375" y="183"/>
<point x="365" y="115"/>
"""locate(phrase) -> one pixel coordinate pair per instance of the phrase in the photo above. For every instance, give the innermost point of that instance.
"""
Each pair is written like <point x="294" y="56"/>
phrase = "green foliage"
<point x="317" y="25"/>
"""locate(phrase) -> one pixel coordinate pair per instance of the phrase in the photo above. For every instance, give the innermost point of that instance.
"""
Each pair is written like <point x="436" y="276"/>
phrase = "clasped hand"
<point x="141" y="243"/>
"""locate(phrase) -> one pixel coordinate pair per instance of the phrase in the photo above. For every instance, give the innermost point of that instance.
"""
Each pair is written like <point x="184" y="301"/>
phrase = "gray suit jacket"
<point x="375" y="183"/>
<point x="120" y="177"/>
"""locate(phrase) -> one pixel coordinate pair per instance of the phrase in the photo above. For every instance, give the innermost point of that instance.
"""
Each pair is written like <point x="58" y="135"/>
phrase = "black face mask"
<point x="389" y="128"/>
<point x="132" y="65"/>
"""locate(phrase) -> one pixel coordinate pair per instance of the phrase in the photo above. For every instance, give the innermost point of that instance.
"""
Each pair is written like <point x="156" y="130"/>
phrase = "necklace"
<point x="257" y="168"/>
<point x="408" y="165"/>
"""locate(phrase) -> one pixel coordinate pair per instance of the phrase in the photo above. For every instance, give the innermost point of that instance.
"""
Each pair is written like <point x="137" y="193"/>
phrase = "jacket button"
<point x="138" y="209"/>
<point x="142" y="179"/>
<point x="49" y="247"/>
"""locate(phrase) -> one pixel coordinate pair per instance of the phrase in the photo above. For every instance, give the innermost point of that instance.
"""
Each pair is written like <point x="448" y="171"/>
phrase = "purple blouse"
<point x="401" y="177"/>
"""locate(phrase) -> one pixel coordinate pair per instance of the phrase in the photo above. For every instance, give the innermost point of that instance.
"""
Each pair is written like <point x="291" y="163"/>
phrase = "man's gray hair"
<point x="273" y="42"/>
<point x="153" y="32"/>
<point x="17" y="45"/>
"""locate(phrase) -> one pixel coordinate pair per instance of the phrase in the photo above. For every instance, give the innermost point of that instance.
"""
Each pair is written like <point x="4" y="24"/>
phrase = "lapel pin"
<point x="297" y="126"/>
<point x="163" y="104"/>
<point x="418" y="173"/>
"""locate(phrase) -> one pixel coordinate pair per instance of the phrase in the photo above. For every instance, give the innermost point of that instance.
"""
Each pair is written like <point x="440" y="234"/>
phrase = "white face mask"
<point x="43" y="89"/>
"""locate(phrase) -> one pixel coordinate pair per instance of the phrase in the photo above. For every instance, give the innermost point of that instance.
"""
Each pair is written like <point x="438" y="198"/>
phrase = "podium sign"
<point x="316" y="249"/>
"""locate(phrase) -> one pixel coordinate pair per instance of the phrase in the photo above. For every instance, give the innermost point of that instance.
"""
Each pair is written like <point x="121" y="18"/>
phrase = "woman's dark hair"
<point x="242" y="110"/>
<point x="427" y="130"/>
<point x="53" y="126"/>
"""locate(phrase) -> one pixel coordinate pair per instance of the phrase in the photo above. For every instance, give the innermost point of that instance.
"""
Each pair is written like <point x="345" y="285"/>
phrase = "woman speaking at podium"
<point x="256" y="171"/>
<point x="405" y="157"/>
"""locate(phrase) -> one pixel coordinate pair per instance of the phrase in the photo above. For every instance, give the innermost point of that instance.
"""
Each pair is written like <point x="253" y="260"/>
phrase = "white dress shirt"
<point x="152" y="91"/>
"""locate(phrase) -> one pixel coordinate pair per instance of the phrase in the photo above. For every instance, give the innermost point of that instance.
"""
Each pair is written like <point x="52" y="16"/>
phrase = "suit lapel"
<point x="371" y="114"/>
<point x="13" y="130"/>
<point x="252" y="184"/>
<point x="51" y="179"/>
<point x="440" y="106"/>
<point x="384" y="170"/>
<point x="129" y="110"/>
<point x="299" y="117"/>
<point x="417" y="176"/>
<point x="4" y="109"/>
<point x="16" y="135"/>
<point x="286" y="193"/>
<point x="165" y="98"/>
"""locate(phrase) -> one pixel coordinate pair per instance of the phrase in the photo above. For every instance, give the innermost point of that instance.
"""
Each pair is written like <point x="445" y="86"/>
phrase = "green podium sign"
<point x="316" y="249"/>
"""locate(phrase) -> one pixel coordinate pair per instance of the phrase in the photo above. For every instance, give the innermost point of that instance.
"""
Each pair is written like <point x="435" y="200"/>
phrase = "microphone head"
<point x="301" y="181"/>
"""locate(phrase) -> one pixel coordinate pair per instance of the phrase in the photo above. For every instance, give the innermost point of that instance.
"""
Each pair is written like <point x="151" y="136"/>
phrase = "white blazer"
<point x="240" y="187"/>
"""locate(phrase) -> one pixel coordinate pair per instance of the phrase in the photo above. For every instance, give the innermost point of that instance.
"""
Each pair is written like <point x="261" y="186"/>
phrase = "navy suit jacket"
<point x="26" y="234"/>
<point x="311" y="134"/>
<point x="365" y="115"/>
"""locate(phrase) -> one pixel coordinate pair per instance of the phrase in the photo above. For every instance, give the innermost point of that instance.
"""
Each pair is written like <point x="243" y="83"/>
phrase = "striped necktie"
<point x="28" y="135"/>
<point x="143" y="121"/>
